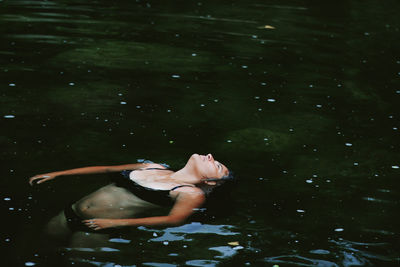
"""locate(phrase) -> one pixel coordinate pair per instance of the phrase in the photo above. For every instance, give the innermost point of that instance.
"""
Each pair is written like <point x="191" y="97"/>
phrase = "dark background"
<point x="305" y="111"/>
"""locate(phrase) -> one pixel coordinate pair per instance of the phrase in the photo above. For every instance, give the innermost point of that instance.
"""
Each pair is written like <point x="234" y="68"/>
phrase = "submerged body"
<point x="146" y="186"/>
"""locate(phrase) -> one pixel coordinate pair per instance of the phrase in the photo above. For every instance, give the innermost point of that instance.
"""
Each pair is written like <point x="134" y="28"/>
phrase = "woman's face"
<point x="208" y="167"/>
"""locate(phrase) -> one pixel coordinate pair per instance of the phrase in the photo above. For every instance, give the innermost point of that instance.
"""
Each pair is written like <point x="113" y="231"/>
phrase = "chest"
<point x="154" y="179"/>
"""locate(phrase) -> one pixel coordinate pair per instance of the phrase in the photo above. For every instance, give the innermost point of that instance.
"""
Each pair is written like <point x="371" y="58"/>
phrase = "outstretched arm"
<point x="185" y="205"/>
<point x="40" y="178"/>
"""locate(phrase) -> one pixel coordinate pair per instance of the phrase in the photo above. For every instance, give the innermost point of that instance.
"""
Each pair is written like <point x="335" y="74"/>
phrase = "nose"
<point x="210" y="157"/>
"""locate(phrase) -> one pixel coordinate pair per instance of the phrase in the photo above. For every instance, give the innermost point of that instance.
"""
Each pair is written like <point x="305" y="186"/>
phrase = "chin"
<point x="195" y="156"/>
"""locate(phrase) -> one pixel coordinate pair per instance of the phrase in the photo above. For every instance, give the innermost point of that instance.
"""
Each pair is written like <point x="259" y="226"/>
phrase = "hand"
<point x="40" y="178"/>
<point x="98" y="224"/>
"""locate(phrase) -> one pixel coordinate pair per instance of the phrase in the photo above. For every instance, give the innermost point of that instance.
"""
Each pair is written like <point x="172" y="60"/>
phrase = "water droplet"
<point x="71" y="84"/>
<point x="309" y="181"/>
<point x="395" y="167"/>
<point x="29" y="263"/>
<point x="9" y="116"/>
<point x="12" y="84"/>
<point x="123" y="103"/>
<point x="271" y="100"/>
<point x="229" y="141"/>
<point x="348" y="144"/>
<point x="339" y="230"/>
<point x="165" y="243"/>
<point x="176" y="76"/>
<point x="300" y="211"/>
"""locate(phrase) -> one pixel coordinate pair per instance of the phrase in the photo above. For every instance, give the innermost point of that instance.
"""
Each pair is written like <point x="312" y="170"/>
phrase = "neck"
<point x="186" y="175"/>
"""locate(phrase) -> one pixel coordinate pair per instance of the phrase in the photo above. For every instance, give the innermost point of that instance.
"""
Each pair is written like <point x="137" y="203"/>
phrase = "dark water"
<point x="299" y="98"/>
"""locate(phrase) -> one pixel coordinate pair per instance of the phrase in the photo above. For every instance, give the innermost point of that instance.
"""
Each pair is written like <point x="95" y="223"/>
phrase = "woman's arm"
<point x="185" y="204"/>
<point x="40" y="178"/>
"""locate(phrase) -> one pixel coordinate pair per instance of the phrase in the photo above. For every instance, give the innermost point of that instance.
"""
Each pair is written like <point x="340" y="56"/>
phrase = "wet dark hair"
<point x="229" y="177"/>
<point x="218" y="198"/>
<point x="208" y="189"/>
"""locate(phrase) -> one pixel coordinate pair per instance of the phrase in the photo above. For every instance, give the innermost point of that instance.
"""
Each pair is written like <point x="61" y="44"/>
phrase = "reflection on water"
<point x="300" y="99"/>
<point x="179" y="233"/>
<point x="171" y="240"/>
<point x="341" y="253"/>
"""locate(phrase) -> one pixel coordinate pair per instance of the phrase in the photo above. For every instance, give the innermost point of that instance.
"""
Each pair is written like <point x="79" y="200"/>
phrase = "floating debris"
<point x="267" y="27"/>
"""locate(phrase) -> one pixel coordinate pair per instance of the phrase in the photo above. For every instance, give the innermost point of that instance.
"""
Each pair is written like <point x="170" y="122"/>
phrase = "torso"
<point x="113" y="201"/>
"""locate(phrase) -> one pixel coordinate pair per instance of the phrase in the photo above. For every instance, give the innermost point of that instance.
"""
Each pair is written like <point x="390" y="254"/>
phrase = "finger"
<point x="35" y="180"/>
<point x="41" y="180"/>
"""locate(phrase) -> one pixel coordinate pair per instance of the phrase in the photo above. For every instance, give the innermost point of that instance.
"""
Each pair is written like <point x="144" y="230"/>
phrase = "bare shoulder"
<point x="188" y="192"/>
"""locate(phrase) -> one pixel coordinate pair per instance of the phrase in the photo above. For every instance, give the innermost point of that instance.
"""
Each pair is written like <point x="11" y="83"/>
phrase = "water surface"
<point x="299" y="98"/>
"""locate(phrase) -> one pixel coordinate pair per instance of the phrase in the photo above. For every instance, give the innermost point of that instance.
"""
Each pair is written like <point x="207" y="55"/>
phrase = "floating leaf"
<point x="268" y="27"/>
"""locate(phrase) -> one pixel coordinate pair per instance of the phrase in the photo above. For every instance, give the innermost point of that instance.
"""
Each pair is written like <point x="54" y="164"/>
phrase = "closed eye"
<point x="219" y="166"/>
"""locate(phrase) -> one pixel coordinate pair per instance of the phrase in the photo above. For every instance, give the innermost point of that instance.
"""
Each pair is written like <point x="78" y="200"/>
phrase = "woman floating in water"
<point x="139" y="188"/>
